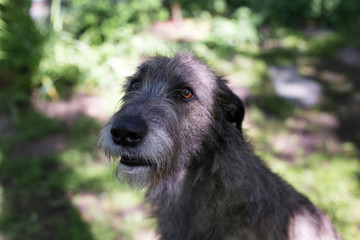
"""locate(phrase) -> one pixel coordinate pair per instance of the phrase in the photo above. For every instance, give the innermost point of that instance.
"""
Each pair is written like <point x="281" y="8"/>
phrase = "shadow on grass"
<point x="342" y="89"/>
<point x="35" y="204"/>
<point x="341" y="94"/>
<point x="340" y="82"/>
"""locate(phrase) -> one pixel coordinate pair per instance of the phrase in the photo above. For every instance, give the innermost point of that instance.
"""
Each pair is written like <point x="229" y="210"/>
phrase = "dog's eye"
<point x="135" y="85"/>
<point x="186" y="93"/>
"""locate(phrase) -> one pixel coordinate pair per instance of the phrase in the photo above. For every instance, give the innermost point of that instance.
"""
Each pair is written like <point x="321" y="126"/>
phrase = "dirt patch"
<point x="43" y="147"/>
<point x="70" y="110"/>
<point x="187" y="30"/>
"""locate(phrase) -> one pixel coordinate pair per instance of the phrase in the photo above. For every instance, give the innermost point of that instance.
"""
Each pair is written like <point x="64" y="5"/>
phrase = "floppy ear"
<point x="231" y="106"/>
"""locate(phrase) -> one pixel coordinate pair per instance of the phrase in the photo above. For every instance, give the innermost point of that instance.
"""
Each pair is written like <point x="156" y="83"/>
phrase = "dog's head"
<point x="170" y="109"/>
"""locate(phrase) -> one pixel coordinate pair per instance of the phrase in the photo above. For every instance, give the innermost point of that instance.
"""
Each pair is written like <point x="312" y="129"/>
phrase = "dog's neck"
<point x="210" y="168"/>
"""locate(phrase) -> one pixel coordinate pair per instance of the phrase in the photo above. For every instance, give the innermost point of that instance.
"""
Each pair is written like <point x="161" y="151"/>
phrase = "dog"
<point x="179" y="134"/>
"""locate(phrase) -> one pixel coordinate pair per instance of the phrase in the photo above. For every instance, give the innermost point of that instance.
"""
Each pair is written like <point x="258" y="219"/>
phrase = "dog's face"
<point x="167" y="112"/>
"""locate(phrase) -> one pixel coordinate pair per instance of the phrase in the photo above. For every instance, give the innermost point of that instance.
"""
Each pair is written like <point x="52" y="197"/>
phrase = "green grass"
<point x="331" y="184"/>
<point x="35" y="205"/>
<point x="330" y="180"/>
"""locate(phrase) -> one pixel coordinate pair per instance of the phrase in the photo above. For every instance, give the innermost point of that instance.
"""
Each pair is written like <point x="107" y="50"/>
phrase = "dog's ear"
<point x="232" y="107"/>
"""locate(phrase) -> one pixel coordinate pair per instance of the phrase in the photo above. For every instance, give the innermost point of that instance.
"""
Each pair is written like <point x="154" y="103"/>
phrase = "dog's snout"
<point x="129" y="131"/>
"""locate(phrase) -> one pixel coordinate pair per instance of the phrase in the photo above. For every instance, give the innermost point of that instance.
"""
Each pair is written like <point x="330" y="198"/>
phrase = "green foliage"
<point x="325" y="46"/>
<point x="61" y="81"/>
<point x="63" y="69"/>
<point x="241" y="29"/>
<point x="320" y="9"/>
<point x="239" y="32"/>
<point x="283" y="12"/>
<point x="193" y="8"/>
<point x="20" y="51"/>
<point x="347" y="13"/>
<point x="289" y="13"/>
<point x="335" y="12"/>
<point x="97" y="22"/>
<point x="299" y="12"/>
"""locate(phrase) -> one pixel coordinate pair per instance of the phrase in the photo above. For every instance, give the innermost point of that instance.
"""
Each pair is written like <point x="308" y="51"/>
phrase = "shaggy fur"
<point x="203" y="179"/>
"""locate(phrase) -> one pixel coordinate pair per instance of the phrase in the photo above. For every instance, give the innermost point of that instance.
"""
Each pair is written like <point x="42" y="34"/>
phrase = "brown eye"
<point x="186" y="93"/>
<point x="135" y="85"/>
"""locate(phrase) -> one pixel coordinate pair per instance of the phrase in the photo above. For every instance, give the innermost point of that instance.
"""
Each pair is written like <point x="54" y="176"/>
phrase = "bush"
<point x="97" y="22"/>
<point x="194" y="8"/>
<point x="240" y="31"/>
<point x="294" y="13"/>
<point x="20" y="51"/>
<point x="62" y="68"/>
<point x="60" y="81"/>
<point x="347" y="12"/>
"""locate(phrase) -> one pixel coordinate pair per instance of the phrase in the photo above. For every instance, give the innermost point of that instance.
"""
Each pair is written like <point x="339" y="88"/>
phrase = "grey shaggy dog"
<point x="178" y="134"/>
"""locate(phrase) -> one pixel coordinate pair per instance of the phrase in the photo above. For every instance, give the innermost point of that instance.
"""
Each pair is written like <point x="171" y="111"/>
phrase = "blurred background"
<point x="296" y="65"/>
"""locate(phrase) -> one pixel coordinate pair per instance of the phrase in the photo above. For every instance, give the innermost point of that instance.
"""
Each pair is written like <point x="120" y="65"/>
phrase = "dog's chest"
<point x="194" y="212"/>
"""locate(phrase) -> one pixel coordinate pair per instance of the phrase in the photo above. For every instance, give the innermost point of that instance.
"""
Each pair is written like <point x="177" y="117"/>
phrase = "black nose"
<point x="128" y="131"/>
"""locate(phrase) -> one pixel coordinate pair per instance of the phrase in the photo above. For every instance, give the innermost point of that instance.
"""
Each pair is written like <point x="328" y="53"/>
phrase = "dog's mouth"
<point x="134" y="162"/>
